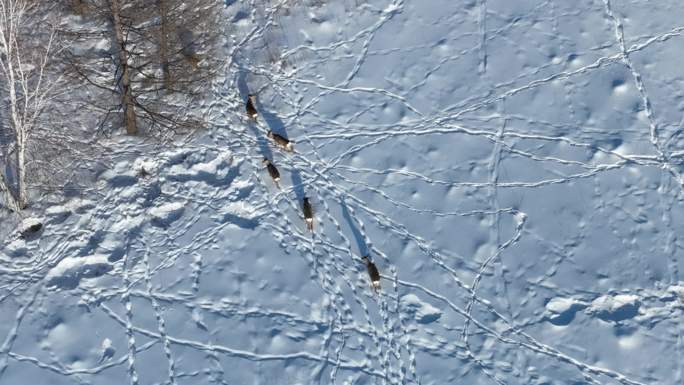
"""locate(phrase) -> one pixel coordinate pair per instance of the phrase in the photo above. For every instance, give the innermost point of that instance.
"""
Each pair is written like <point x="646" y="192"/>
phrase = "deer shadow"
<point x="297" y="185"/>
<point x="273" y="121"/>
<point x="360" y="240"/>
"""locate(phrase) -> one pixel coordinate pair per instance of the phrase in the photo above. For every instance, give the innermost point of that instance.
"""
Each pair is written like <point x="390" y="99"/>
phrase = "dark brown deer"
<point x="281" y="141"/>
<point x="308" y="214"/>
<point x="372" y="273"/>
<point x="251" y="109"/>
<point x="273" y="171"/>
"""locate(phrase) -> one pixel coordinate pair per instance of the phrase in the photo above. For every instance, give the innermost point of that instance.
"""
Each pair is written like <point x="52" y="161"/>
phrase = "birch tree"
<point x="25" y="94"/>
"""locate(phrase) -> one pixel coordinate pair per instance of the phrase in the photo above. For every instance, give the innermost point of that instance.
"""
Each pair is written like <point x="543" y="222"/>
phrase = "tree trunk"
<point x="10" y="201"/>
<point x="11" y="18"/>
<point x="22" y="191"/>
<point x="164" y="43"/>
<point x="125" y="84"/>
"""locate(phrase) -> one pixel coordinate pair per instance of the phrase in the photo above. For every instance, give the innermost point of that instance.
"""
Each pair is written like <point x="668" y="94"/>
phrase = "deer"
<point x="308" y="214"/>
<point x="372" y="273"/>
<point x="251" y="109"/>
<point x="281" y="141"/>
<point x="273" y="171"/>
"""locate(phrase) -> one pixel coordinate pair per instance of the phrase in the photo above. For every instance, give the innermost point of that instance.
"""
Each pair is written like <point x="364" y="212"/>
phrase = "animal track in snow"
<point x="524" y="218"/>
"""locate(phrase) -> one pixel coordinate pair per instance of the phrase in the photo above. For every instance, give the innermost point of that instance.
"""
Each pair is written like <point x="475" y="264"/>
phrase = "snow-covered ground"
<point x="512" y="167"/>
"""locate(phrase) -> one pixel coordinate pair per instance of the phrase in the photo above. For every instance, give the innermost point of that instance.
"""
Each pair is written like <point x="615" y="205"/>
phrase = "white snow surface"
<point x="513" y="168"/>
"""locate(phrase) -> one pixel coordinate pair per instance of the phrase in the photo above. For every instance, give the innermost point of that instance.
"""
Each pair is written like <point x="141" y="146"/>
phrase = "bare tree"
<point x="127" y="100"/>
<point x="25" y="94"/>
<point x="159" y="62"/>
<point x="129" y="63"/>
<point x="164" y="25"/>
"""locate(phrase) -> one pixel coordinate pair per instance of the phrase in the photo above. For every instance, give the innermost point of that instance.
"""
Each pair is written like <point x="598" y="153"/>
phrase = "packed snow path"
<point x="513" y="168"/>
